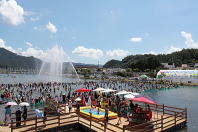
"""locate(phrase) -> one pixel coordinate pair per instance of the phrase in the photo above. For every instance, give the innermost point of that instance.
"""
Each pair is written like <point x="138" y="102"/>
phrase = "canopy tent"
<point x="108" y="91"/>
<point x="144" y="100"/>
<point x="99" y="89"/>
<point x="135" y="94"/>
<point x="82" y="90"/>
<point x="129" y="96"/>
<point x="123" y="92"/>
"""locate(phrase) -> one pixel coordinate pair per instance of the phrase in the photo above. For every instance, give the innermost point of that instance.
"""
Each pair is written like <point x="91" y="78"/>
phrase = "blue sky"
<point x="98" y="30"/>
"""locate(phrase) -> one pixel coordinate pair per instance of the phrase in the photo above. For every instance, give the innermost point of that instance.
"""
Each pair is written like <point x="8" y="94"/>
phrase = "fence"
<point x="168" y="118"/>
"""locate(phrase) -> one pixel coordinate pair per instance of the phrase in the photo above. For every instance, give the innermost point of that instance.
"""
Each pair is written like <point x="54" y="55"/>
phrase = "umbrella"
<point x="123" y="92"/>
<point x="129" y="96"/>
<point x="82" y="90"/>
<point x="11" y="103"/>
<point x="144" y="100"/>
<point x="135" y="94"/>
<point x="99" y="89"/>
<point x="108" y="91"/>
<point x="78" y="99"/>
<point x="24" y="104"/>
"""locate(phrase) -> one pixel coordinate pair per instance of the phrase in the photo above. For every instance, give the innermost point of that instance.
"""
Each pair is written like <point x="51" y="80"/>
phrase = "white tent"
<point x="99" y="89"/>
<point x="108" y="91"/>
<point x="135" y="94"/>
<point x="78" y="99"/>
<point x="123" y="92"/>
<point x="129" y="96"/>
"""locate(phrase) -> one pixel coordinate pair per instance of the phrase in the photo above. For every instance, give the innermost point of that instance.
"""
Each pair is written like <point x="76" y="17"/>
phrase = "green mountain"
<point x="11" y="60"/>
<point x="149" y="61"/>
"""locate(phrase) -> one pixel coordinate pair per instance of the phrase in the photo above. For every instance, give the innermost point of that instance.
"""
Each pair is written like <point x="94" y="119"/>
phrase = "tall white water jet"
<point x="57" y="63"/>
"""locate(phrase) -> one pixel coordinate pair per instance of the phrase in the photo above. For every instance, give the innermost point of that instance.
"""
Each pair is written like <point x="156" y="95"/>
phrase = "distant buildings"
<point x="168" y="65"/>
<point x="184" y="66"/>
<point x="113" y="70"/>
<point x="196" y="65"/>
<point x="171" y="66"/>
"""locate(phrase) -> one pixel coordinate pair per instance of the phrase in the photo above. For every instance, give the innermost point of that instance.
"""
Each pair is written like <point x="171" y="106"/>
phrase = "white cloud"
<point x="11" y="12"/>
<point x="88" y="52"/>
<point x="117" y="53"/>
<point x="3" y="45"/>
<point x="51" y="27"/>
<point x="135" y="39"/>
<point x="28" y="44"/>
<point x="172" y="49"/>
<point x="38" y="53"/>
<point x="151" y="52"/>
<point x="188" y="40"/>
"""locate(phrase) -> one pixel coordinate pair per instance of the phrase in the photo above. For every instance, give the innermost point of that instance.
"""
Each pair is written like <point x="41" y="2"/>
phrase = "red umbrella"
<point x="143" y="99"/>
<point x="82" y="90"/>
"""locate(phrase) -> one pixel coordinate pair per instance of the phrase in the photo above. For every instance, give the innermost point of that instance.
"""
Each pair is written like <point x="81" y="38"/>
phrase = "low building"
<point x="196" y="65"/>
<point x="114" y="70"/>
<point x="168" y="65"/>
<point x="184" y="66"/>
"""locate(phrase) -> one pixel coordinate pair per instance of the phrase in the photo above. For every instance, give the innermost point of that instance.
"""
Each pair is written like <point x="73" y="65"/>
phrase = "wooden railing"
<point x="36" y="122"/>
<point x="168" y="117"/>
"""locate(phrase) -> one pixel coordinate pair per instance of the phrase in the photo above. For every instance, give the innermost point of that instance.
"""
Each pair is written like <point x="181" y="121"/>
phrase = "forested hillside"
<point x="149" y="61"/>
<point x="12" y="60"/>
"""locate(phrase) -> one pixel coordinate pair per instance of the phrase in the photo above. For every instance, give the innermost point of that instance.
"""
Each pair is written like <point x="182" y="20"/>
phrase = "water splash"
<point x="57" y="63"/>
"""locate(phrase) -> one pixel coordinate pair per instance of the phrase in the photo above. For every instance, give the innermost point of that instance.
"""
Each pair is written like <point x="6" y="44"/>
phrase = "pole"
<point x="90" y="119"/>
<point x="78" y="115"/>
<point x="11" y="125"/>
<point x="175" y="120"/>
<point x="186" y="116"/>
<point x="162" y="127"/>
<point x="36" y="123"/>
<point x="163" y="108"/>
<point x="123" y="128"/>
<point x="105" y="125"/>
<point x="59" y="119"/>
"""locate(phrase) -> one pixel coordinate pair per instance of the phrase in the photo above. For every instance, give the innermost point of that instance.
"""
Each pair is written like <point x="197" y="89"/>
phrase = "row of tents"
<point x="128" y="95"/>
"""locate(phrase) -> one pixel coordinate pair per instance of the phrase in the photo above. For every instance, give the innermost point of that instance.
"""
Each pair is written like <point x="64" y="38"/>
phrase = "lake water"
<point x="184" y="96"/>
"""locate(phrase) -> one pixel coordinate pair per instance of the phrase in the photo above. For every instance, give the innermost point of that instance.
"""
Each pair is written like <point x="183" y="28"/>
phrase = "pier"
<point x="165" y="119"/>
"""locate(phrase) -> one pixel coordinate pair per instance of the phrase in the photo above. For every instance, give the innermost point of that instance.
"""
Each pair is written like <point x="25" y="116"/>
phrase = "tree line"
<point x="148" y="62"/>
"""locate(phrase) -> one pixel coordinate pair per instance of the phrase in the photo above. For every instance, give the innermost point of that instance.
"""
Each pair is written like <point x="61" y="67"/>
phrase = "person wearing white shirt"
<point x="70" y="105"/>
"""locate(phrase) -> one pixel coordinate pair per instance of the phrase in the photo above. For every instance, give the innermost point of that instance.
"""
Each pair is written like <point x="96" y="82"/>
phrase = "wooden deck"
<point x="164" y="119"/>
